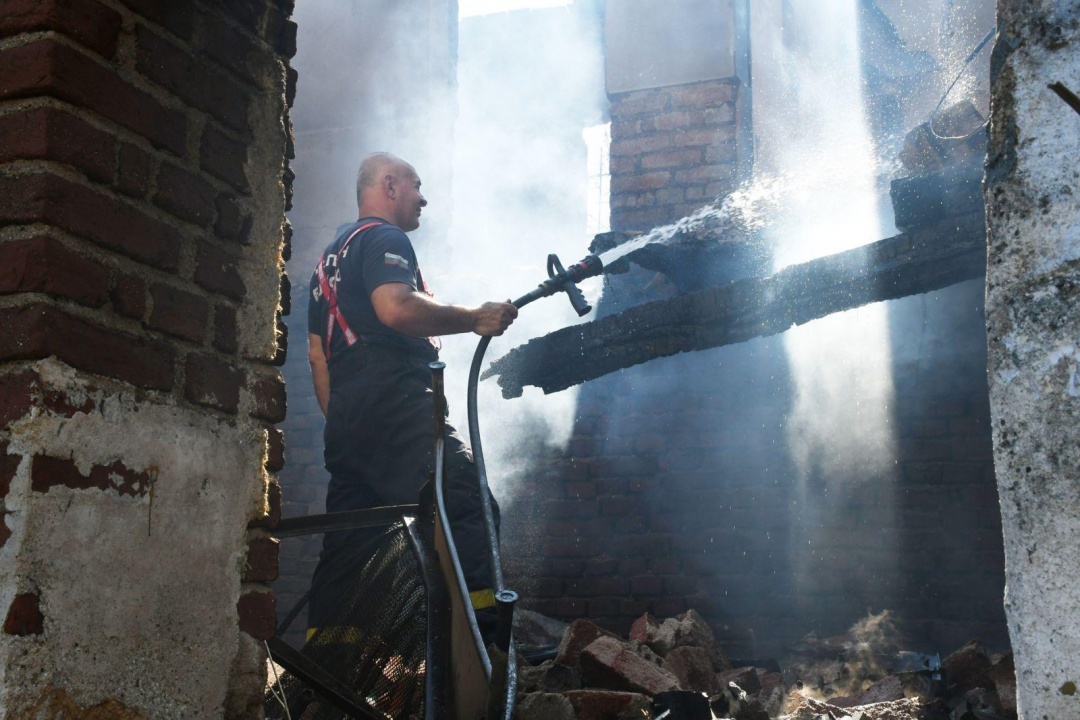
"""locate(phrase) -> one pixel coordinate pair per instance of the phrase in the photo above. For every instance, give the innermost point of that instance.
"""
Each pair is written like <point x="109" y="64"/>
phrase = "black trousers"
<point x="380" y="450"/>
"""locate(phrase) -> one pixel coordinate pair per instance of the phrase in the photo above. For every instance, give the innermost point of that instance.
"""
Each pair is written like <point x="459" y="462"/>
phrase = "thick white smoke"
<point x="529" y="83"/>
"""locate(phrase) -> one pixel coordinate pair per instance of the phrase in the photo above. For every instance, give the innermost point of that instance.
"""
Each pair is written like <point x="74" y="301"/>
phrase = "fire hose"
<point x="559" y="280"/>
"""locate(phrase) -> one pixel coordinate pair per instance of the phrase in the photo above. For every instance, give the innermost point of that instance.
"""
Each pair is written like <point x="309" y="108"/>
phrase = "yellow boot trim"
<point x="481" y="599"/>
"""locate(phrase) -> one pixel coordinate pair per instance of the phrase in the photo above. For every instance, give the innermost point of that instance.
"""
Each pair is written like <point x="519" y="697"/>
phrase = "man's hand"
<point x="492" y="318"/>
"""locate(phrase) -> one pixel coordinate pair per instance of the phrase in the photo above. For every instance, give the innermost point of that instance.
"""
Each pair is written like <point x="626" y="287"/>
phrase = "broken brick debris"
<point x="600" y="676"/>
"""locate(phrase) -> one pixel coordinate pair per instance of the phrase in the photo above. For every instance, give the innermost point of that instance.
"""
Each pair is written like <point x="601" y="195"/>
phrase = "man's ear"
<point x="389" y="187"/>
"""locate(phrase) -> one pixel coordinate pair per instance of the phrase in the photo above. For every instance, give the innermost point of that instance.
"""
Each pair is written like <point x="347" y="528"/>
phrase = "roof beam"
<point x="919" y="261"/>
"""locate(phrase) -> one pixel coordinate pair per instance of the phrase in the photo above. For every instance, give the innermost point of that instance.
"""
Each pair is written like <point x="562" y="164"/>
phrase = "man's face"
<point x="408" y="200"/>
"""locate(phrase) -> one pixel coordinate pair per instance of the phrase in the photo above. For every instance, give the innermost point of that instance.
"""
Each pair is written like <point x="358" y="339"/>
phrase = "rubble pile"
<point x="597" y="675"/>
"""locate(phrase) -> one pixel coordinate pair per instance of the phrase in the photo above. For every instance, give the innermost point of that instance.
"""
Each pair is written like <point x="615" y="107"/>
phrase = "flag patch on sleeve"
<point x="396" y="260"/>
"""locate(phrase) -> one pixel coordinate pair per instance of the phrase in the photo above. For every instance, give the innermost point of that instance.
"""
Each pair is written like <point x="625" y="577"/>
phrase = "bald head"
<point x="388" y="187"/>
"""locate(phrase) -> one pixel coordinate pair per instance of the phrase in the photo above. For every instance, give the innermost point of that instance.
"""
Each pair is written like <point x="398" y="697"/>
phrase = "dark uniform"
<point x="379" y="429"/>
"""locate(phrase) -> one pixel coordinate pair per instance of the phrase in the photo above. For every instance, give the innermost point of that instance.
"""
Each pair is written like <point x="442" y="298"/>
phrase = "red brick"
<point x="698" y="137"/>
<point x="232" y="222"/>
<point x="693" y="667"/>
<point x="134" y="171"/>
<point x="175" y="17"/>
<point x="218" y="271"/>
<point x="262" y="560"/>
<point x="275" y="450"/>
<point x="48" y="68"/>
<point x="224" y="158"/>
<point x="232" y="48"/>
<point x="249" y="13"/>
<point x="258" y="614"/>
<point x="212" y="383"/>
<point x="705" y="173"/>
<point x="672" y="159"/>
<point x="597" y="586"/>
<point x="285" y="43"/>
<point x="9" y="464"/>
<point x="184" y="194"/>
<point x="178" y="312"/>
<point x="49" y="134"/>
<point x="282" y="341"/>
<point x="44" y="265"/>
<point x="639" y="183"/>
<point x="672" y="120"/>
<point x="286" y="240"/>
<point x="39" y="330"/>
<point x="609" y="663"/>
<point x="225" y="333"/>
<point x="700" y="95"/>
<point x="269" y="394"/>
<point x="47" y="198"/>
<point x="720" y="153"/>
<point x="17" y="394"/>
<point x="576" y="638"/>
<point x="646" y="585"/>
<point x="191" y="79"/>
<point x="640" y="102"/>
<point x="129" y="297"/>
<point x="87" y="22"/>
<point x="285" y="294"/>
<point x="273" y="507"/>
<point x="48" y="472"/>
<point x="547" y="588"/>
<point x="24" y="616"/>
<point x="640" y="145"/>
<point x="291" y="77"/>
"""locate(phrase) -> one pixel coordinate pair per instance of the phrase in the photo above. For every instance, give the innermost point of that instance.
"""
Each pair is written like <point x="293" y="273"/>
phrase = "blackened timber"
<point x="919" y="261"/>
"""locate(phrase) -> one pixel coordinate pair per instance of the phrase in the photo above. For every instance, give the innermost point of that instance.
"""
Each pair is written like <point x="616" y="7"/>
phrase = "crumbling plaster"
<point x="139" y="598"/>
<point x="1033" y="292"/>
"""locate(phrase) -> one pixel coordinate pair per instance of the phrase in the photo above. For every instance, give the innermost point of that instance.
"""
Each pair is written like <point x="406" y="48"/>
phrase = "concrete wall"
<point x="1033" y="215"/>
<point x="141" y="211"/>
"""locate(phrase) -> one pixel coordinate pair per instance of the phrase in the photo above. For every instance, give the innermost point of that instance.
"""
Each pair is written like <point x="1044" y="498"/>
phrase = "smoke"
<point x="529" y="83"/>
<point x="494" y="128"/>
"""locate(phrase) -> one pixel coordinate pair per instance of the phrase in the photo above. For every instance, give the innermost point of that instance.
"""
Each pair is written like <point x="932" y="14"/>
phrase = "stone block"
<point x="580" y="634"/>
<point x="610" y="664"/>
<point x="693" y="667"/>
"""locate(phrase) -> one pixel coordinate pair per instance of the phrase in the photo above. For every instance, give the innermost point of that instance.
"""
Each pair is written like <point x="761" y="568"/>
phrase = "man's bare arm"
<point x="401" y="308"/>
<point x="320" y="373"/>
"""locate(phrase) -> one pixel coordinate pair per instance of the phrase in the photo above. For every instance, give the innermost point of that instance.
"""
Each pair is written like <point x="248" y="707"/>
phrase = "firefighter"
<point x="371" y="321"/>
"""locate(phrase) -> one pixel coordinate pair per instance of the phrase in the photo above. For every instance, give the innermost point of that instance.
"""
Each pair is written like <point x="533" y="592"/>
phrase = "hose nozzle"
<point x="562" y="279"/>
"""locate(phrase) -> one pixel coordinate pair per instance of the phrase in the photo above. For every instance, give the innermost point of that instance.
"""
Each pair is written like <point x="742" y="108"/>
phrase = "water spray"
<point x="559" y="279"/>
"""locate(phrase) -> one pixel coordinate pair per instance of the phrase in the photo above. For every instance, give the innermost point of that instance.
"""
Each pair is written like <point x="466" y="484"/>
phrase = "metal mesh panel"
<point x="376" y="642"/>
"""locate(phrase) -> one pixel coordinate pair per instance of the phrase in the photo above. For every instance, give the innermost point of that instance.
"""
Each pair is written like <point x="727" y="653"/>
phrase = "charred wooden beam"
<point x="921" y="260"/>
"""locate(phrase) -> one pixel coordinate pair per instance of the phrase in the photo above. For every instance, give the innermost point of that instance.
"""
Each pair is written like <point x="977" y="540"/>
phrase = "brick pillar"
<point x="673" y="149"/>
<point x="141" y="211"/>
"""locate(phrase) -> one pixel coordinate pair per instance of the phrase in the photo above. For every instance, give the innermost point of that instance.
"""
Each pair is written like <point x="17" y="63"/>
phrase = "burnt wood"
<point x="922" y="260"/>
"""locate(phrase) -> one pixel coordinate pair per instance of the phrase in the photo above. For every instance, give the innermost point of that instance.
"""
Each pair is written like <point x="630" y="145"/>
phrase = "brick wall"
<point x="673" y="149"/>
<point x="141" y="210"/>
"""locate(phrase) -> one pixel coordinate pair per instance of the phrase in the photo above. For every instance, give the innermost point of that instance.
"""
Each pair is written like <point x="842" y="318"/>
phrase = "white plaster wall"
<point x="139" y="593"/>
<point x="1033" y="315"/>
